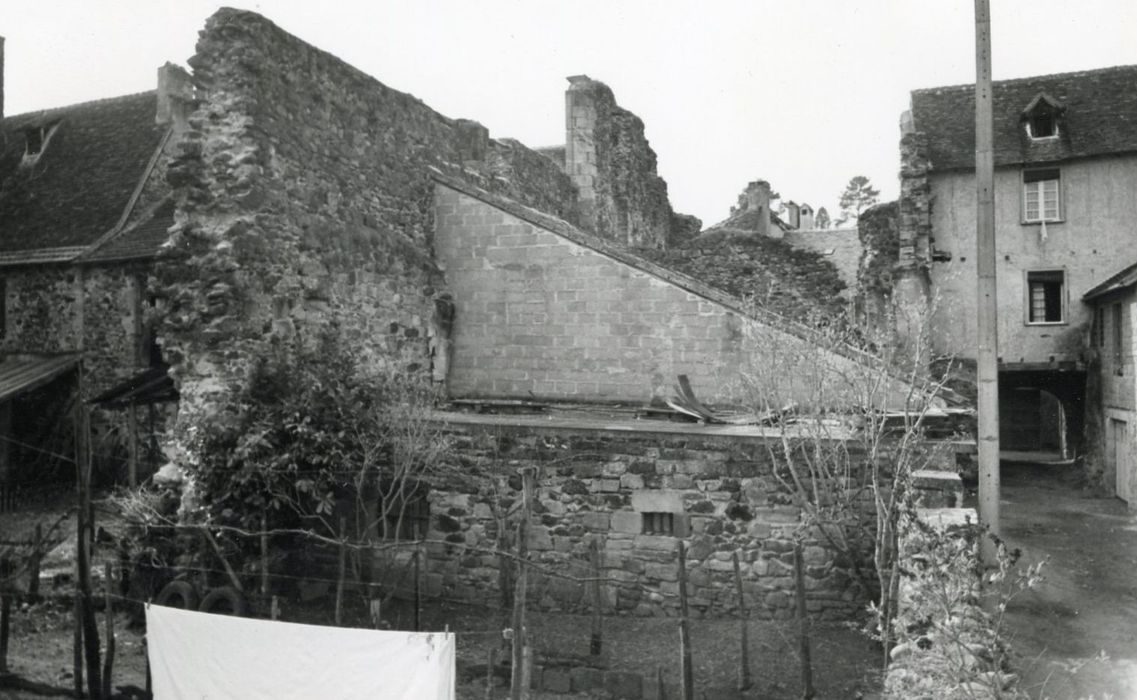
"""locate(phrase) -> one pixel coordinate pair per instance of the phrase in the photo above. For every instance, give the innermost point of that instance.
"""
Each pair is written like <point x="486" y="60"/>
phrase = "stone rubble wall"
<point x="595" y="485"/>
<point x="305" y="207"/>
<point x="622" y="198"/>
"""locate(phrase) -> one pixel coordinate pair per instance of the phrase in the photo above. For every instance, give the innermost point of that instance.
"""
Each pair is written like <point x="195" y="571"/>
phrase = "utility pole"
<point x="987" y="358"/>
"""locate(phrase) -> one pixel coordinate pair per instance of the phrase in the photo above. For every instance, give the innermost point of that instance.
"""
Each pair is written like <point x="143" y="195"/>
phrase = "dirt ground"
<point x="1087" y="602"/>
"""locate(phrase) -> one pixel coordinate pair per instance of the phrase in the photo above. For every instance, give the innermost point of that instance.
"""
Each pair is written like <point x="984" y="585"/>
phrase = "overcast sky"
<point x="803" y="93"/>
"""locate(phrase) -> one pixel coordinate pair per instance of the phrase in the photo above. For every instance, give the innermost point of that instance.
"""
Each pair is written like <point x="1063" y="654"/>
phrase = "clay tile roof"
<point x="139" y="241"/>
<point x="1098" y="117"/>
<point x="85" y="176"/>
<point x="1122" y="280"/>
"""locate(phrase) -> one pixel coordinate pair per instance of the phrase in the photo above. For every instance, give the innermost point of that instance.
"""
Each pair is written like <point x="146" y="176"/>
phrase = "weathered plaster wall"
<point x="842" y="247"/>
<point x="305" y="206"/>
<point x="595" y="485"/>
<point x="542" y="315"/>
<point x="1094" y="241"/>
<point x="622" y="198"/>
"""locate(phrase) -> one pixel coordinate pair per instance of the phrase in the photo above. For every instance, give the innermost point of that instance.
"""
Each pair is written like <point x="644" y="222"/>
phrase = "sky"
<point x="802" y="93"/>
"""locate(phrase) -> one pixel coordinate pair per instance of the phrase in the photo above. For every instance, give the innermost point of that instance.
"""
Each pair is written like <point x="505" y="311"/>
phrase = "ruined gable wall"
<point x="305" y="206"/>
<point x="539" y="315"/>
<point x="622" y="198"/>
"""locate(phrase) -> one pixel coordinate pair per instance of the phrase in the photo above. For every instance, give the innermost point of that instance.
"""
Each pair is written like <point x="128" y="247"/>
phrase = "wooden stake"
<point x="264" y="557"/>
<point x="418" y="590"/>
<point x="659" y="682"/>
<point x="987" y="356"/>
<point x="274" y="610"/>
<point x="132" y="455"/>
<point x="491" y="659"/>
<point x="108" y="659"/>
<point x="687" y="686"/>
<point x="83" y="558"/>
<point x="342" y="572"/>
<point x="5" y="610"/>
<point x="595" y="641"/>
<point x="34" y="564"/>
<point x="517" y="660"/>
<point x="807" y="690"/>
<point x="77" y="646"/>
<point x="743" y="632"/>
<point x="526" y="670"/>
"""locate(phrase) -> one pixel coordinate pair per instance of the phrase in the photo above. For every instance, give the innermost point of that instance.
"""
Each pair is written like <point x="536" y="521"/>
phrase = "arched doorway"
<point x="1041" y="412"/>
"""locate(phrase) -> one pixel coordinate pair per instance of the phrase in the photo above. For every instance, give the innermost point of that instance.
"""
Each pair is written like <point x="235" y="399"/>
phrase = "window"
<point x="1041" y="194"/>
<point x="659" y="523"/>
<point x="1097" y="334"/>
<point x="35" y="141"/>
<point x="1045" y="296"/>
<point x="1042" y="124"/>
<point x="1118" y="336"/>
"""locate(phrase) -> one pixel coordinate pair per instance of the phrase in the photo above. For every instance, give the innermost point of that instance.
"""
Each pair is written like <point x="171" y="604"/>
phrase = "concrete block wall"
<point x="538" y="315"/>
<point x="542" y="315"/>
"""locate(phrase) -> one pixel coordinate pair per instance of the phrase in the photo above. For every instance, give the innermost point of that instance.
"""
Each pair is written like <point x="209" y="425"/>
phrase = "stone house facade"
<point x="1112" y="386"/>
<point x="1065" y="167"/>
<point x="83" y="212"/>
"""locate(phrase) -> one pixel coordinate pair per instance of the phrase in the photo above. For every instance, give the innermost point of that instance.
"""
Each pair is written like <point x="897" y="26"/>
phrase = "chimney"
<point x="757" y="199"/>
<point x="793" y="215"/>
<point x="175" y="96"/>
<point x="1" y="78"/>
<point x="806" y="213"/>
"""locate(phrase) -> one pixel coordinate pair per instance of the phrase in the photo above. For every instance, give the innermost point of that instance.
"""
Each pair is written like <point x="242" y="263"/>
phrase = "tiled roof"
<point x="1121" y="280"/>
<point x="142" y="240"/>
<point x="85" y="177"/>
<point x="1099" y="117"/>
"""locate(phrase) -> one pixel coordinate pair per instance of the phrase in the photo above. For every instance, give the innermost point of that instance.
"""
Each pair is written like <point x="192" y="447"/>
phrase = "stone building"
<point x="83" y="212"/>
<point x="1111" y="382"/>
<point x="294" y="198"/>
<point x="1065" y="168"/>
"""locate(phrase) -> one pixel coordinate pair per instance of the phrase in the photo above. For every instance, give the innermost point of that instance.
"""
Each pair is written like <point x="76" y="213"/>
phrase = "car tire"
<point x="178" y="594"/>
<point x="224" y="600"/>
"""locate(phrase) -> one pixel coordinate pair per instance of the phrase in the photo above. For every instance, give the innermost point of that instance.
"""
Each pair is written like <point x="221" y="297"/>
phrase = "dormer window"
<point x="1042" y="125"/>
<point x="1042" y="116"/>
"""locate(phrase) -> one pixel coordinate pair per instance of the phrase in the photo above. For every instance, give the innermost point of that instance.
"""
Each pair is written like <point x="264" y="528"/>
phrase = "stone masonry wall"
<point x="598" y="485"/>
<point x="609" y="158"/>
<point x="305" y="207"/>
<point x="540" y="315"/>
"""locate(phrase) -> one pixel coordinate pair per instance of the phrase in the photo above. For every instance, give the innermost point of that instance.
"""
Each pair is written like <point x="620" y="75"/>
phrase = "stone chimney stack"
<point x="581" y="115"/>
<point x="806" y="214"/>
<point x="175" y="96"/>
<point x="756" y="197"/>
<point x="793" y="215"/>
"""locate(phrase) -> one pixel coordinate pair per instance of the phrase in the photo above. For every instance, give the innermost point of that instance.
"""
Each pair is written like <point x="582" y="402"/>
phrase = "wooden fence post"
<point x="108" y="659"/>
<point x="341" y="572"/>
<point x="595" y="641"/>
<point x="517" y="658"/>
<point x="34" y="564"/>
<point x="5" y="610"/>
<point x="807" y="690"/>
<point x="77" y="646"/>
<point x="687" y="686"/>
<point x="743" y="632"/>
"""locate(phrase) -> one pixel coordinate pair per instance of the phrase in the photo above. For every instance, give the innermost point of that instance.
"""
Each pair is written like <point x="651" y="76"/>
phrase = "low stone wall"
<point x="637" y="492"/>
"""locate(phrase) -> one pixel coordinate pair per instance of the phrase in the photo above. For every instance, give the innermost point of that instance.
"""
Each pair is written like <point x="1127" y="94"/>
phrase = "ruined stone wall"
<point x="305" y="207"/>
<point x="597" y="485"/>
<point x="541" y="315"/>
<point x="622" y="198"/>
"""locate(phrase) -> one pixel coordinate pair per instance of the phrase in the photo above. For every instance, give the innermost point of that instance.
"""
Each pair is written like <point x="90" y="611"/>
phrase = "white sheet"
<point x="205" y="656"/>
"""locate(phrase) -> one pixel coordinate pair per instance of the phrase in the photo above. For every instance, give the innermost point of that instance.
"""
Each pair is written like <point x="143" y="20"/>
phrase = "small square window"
<point x="1042" y="195"/>
<point x="659" y="523"/>
<point x="1046" y="293"/>
<point x="1042" y="124"/>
